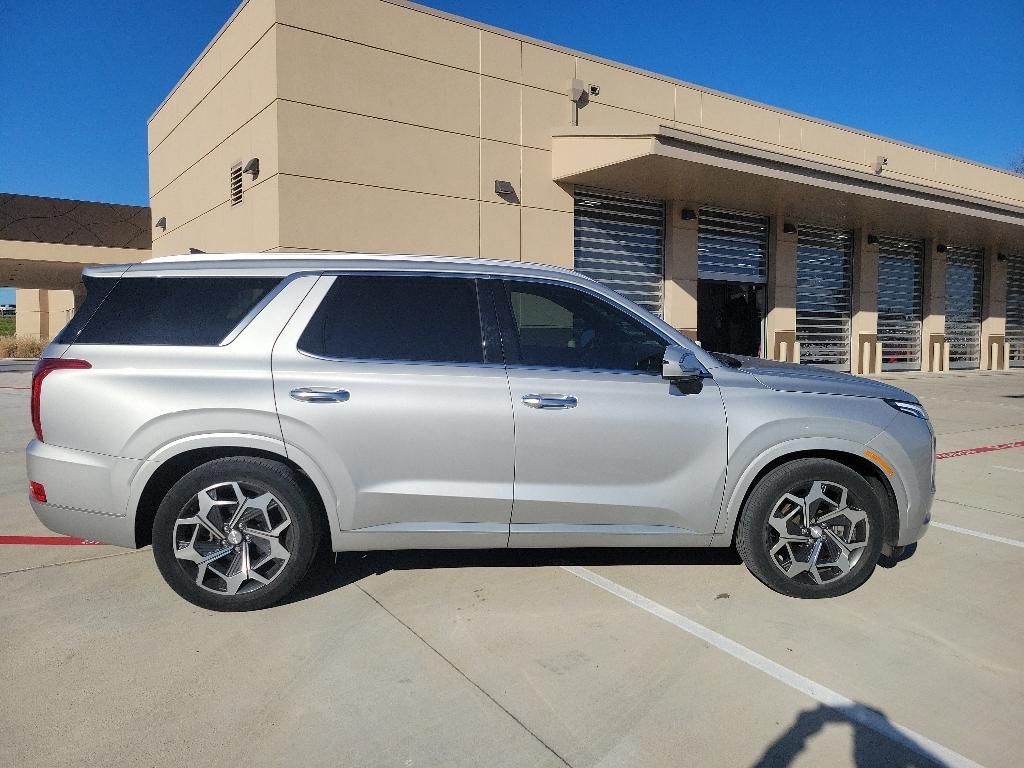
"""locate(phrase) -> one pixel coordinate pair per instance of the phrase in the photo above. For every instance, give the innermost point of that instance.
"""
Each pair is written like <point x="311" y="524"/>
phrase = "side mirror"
<point x="679" y="366"/>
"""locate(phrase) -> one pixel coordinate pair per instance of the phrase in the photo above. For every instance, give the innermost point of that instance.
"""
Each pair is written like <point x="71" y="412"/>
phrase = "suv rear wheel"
<point x="811" y="528"/>
<point x="235" y="534"/>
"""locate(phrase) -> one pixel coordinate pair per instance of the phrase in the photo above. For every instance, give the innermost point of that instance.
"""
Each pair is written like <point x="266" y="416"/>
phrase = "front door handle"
<point x="319" y="395"/>
<point x="549" y="401"/>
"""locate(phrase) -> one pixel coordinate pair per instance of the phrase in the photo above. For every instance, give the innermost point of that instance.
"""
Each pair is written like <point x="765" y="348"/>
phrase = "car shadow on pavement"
<point x="331" y="573"/>
<point x="877" y="743"/>
<point x="888" y="561"/>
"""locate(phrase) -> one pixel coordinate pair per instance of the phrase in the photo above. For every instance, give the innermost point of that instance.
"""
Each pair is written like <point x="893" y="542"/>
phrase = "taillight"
<point x="44" y="367"/>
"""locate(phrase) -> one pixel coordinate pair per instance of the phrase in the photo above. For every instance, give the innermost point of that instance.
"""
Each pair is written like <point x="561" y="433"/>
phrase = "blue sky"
<point x="79" y="78"/>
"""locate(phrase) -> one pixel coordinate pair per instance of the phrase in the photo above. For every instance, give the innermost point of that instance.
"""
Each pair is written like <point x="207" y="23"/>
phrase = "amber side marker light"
<point x="37" y="491"/>
<point x="880" y="462"/>
<point x="44" y="368"/>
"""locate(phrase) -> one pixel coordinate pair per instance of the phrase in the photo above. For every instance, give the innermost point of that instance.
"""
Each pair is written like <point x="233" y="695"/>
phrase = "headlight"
<point x="911" y="409"/>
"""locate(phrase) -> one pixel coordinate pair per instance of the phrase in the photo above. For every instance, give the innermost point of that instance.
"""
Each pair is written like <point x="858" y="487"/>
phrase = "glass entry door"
<point x="730" y="317"/>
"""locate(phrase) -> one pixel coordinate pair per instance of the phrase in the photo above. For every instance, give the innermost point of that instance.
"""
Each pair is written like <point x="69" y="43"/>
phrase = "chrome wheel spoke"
<point x="814" y="535"/>
<point x="232" y="538"/>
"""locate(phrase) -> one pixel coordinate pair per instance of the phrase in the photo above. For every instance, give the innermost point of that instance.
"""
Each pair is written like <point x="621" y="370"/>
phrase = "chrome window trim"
<point x="387" y="361"/>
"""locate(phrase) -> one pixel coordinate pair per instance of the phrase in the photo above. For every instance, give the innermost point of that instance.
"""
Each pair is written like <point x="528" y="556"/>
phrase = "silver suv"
<point x="237" y="411"/>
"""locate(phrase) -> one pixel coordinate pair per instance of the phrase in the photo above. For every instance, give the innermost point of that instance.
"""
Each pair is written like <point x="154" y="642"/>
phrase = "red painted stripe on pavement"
<point x="982" y="449"/>
<point x="47" y="540"/>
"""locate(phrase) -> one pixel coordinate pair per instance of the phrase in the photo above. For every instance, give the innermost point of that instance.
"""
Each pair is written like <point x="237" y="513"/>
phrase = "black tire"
<point x="299" y="539"/>
<point x="755" y="536"/>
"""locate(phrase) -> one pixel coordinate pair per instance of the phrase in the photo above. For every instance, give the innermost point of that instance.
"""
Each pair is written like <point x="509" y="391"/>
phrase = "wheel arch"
<point x="860" y="464"/>
<point x="172" y="465"/>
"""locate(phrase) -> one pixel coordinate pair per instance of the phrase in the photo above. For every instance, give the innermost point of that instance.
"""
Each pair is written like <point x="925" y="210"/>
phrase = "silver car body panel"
<point x="424" y="455"/>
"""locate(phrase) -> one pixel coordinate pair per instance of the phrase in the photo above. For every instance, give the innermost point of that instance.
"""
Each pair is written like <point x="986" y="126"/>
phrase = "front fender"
<point x="737" y="487"/>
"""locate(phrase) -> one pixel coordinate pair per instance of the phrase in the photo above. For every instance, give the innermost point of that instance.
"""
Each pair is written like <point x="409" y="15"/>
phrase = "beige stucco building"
<point x="383" y="126"/>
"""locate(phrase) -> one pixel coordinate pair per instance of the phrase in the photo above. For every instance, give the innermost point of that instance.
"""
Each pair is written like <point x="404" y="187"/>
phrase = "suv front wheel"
<point x="235" y="534"/>
<point x="811" y="528"/>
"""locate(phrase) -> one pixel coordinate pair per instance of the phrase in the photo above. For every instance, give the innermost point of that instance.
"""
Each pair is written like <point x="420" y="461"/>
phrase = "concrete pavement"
<point x="506" y="658"/>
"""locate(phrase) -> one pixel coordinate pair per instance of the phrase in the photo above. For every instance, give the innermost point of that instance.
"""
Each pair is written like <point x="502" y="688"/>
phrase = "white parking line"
<point x="850" y="709"/>
<point x="979" y="534"/>
<point x="1008" y="469"/>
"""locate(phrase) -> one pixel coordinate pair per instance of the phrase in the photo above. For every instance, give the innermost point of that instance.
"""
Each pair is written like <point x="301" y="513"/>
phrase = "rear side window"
<point x="96" y="290"/>
<point x="424" y="319"/>
<point x="171" y="311"/>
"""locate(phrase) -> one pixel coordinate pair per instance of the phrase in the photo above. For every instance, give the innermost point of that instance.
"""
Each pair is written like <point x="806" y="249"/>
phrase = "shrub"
<point x="21" y="346"/>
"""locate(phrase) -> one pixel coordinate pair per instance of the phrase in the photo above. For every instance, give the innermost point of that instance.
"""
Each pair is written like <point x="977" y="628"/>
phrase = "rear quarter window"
<point x="170" y="311"/>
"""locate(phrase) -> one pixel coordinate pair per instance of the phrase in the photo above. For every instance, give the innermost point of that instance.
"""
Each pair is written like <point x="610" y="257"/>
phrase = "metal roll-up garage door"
<point x="732" y="245"/>
<point x="620" y="241"/>
<point x="964" y="274"/>
<point x="900" y="297"/>
<point x="824" y="263"/>
<point x="1015" y="309"/>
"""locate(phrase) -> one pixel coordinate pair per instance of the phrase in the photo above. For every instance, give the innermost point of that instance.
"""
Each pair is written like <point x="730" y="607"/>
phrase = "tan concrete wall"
<point x="993" y="314"/>
<point x="934" y="299"/>
<point x="400" y="122"/>
<point x="681" y="268"/>
<point x="42" y="313"/>
<point x="222" y="112"/>
<point x="781" y="320"/>
<point x="864" y="322"/>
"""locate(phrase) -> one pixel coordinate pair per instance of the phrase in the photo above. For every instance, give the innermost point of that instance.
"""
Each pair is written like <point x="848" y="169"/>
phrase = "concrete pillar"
<point x="864" y="323"/>
<point x="993" y="310"/>
<point x="780" y="325"/>
<point x="933" y="289"/>
<point x="42" y="313"/>
<point x="681" y="269"/>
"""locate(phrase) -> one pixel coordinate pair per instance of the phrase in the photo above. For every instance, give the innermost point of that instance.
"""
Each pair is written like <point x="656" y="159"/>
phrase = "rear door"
<point x="387" y="381"/>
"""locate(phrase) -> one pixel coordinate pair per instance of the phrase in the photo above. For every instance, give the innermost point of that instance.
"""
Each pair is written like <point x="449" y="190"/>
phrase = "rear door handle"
<point x="319" y="395"/>
<point x="548" y="401"/>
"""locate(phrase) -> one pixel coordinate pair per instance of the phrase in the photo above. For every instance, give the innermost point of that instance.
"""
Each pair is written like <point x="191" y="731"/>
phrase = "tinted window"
<point x="96" y="290"/>
<point x="560" y="327"/>
<point x="175" y="311"/>
<point x="430" y="319"/>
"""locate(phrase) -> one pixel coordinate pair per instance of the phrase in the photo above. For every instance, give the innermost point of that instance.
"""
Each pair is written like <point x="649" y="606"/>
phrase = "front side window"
<point x="420" y="319"/>
<point x="555" y="326"/>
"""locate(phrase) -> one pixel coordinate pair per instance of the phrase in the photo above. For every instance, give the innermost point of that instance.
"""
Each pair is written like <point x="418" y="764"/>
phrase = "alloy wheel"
<point x="232" y="538"/>
<point x="815" y="533"/>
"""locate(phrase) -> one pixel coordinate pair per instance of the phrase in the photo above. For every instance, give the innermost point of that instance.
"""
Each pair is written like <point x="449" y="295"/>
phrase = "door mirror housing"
<point x="680" y="366"/>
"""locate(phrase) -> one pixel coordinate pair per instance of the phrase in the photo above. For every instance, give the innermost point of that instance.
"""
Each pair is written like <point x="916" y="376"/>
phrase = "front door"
<point x="386" y="383"/>
<point x="607" y="452"/>
<point x="730" y="317"/>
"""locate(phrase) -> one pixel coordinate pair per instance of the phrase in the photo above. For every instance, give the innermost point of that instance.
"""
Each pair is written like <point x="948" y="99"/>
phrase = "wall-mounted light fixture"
<point x="872" y="239"/>
<point x="940" y="248"/>
<point x="789" y="227"/>
<point x="578" y="97"/>
<point x="880" y="162"/>
<point x="252" y="168"/>
<point x="161" y="223"/>
<point x="503" y="187"/>
<point x="688" y="214"/>
<point x="195" y="250"/>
